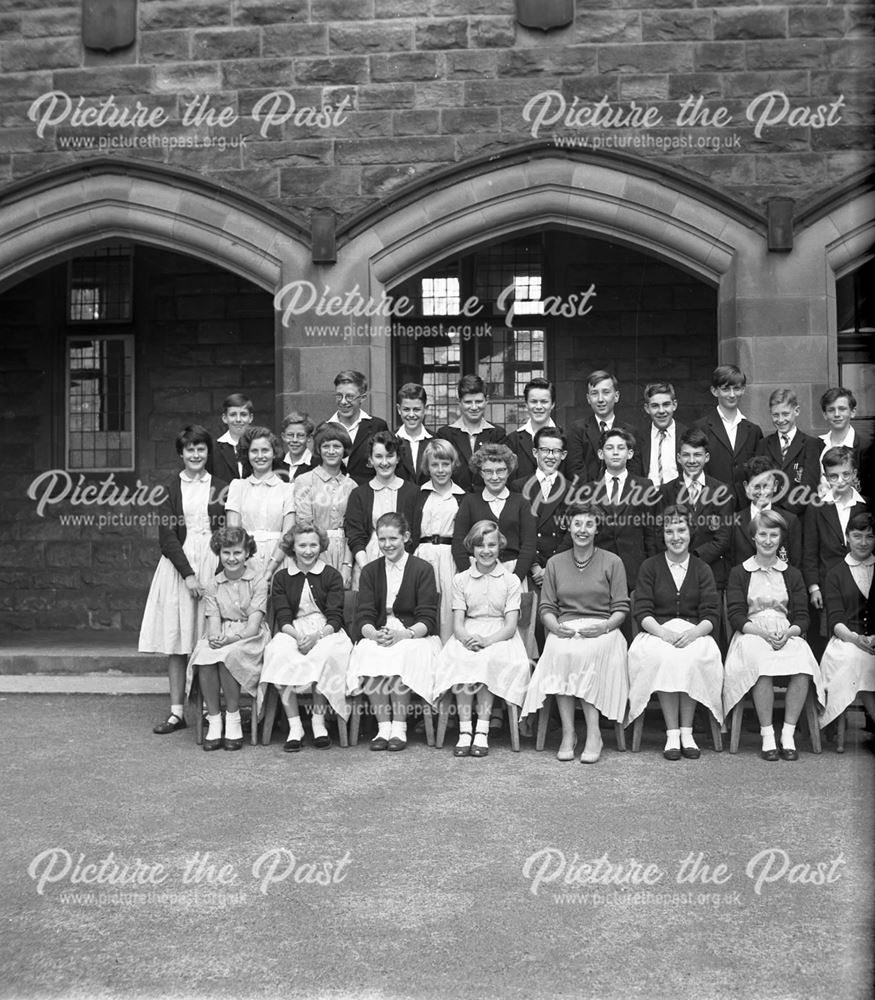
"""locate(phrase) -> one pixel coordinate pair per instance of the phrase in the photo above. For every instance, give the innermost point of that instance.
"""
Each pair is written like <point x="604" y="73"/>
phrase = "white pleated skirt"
<point x="502" y="667"/>
<point x="845" y="670"/>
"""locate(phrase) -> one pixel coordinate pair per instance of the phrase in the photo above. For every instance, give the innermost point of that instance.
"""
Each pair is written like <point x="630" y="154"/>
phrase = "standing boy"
<point x="584" y="439"/>
<point x="794" y="454"/>
<point x="539" y="399"/>
<point x="350" y="388"/>
<point x="732" y="438"/>
<point x="236" y="416"/>
<point x="471" y="430"/>
<point x="658" y="441"/>
<point x="411" y="404"/>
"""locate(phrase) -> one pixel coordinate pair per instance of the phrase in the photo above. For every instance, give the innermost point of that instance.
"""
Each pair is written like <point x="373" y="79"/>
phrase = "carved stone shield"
<point x="109" y="24"/>
<point x="544" y="14"/>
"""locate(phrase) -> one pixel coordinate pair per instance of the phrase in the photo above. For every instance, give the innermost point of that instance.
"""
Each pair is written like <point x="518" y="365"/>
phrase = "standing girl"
<point x="310" y="651"/>
<point x="230" y="656"/>
<point x="486" y="656"/>
<point x="396" y="624"/>
<point x="173" y="617"/>
<point x="433" y="518"/>
<point x="321" y="495"/>
<point x="262" y="503"/>
<point x="385" y="493"/>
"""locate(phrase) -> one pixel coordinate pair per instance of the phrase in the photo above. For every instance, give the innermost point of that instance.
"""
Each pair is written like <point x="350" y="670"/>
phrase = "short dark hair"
<point x="553" y="432"/>
<point x="677" y="512"/>
<point x="253" y="433"/>
<point x="655" y="388"/>
<point x="224" y="538"/>
<point x="783" y="396"/>
<point x="287" y="544"/>
<point x="385" y="438"/>
<point x="298" y="418"/>
<point x="394" y="520"/>
<point x="539" y="383"/>
<point x="695" y="437"/>
<point x="728" y="375"/>
<point x="493" y="453"/>
<point x="838" y="456"/>
<point x="758" y="465"/>
<point x="600" y="375"/>
<point x="471" y="384"/>
<point x="619" y="432"/>
<point x="330" y="432"/>
<point x="193" y="434"/>
<point x="237" y="400"/>
<point x="864" y="521"/>
<point x="353" y="378"/>
<point x="831" y="395"/>
<point x="412" y="390"/>
<point x="588" y="507"/>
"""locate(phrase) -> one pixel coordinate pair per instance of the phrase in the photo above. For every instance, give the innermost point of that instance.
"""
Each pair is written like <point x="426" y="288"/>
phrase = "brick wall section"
<point x="200" y="333"/>
<point x="427" y="83"/>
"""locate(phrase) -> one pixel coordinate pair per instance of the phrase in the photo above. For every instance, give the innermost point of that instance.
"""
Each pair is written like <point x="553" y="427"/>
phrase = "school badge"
<point x="544" y="14"/>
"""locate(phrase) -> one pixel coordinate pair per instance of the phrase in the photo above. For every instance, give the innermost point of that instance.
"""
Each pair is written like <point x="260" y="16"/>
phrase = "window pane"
<point x="101" y="287"/>
<point x="100" y="403"/>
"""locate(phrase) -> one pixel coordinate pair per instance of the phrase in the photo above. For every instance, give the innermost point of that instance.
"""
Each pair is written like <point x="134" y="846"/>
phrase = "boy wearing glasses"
<point x="826" y="523"/>
<point x="296" y="431"/>
<point x="350" y="388"/>
<point x="732" y="438"/>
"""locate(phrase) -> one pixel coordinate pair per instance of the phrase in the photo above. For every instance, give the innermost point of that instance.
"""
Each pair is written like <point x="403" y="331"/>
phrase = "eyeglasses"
<point x="834" y="477"/>
<point x="552" y="451"/>
<point x="340" y="398"/>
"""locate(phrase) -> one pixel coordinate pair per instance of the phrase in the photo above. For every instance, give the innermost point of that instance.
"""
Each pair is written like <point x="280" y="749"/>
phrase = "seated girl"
<point x="674" y="654"/>
<point x="310" y="651"/>
<point x="768" y="611"/>
<point x="229" y="658"/>
<point x="848" y="664"/>
<point x="485" y="657"/>
<point x="396" y="622"/>
<point x="433" y="518"/>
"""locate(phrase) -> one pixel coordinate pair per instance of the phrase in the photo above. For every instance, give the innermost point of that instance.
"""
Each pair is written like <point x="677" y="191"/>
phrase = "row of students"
<point x="585" y="601"/>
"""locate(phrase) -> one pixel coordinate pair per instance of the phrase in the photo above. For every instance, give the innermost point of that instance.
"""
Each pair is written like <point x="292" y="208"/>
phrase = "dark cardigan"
<point x="516" y="523"/>
<point x="327" y="590"/>
<point x="171" y="529"/>
<point x="657" y="596"/>
<point x="736" y="597"/>
<point x="845" y="604"/>
<point x="417" y="599"/>
<point x="358" y="520"/>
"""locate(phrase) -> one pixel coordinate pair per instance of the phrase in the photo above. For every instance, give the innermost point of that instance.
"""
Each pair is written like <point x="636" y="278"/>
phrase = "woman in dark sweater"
<point x="768" y="611"/>
<point x="310" y="651"/>
<point x="674" y="654"/>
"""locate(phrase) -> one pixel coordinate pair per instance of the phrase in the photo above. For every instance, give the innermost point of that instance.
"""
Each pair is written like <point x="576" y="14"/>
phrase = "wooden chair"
<point x="809" y="714"/>
<point x="526" y="629"/>
<point x="357" y="701"/>
<point x="196" y="700"/>
<point x="638" y="729"/>
<point x="271" y="698"/>
<point x="842" y="725"/>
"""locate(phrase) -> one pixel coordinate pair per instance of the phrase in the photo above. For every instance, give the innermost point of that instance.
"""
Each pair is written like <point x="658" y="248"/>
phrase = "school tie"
<point x="615" y="491"/>
<point x="693" y="492"/>
<point x="785" y="446"/>
<point x="659" y="445"/>
<point x="603" y="426"/>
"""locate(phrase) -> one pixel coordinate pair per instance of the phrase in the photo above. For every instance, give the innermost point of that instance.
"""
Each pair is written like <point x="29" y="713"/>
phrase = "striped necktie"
<point x="785" y="446"/>
<point x="659" y="445"/>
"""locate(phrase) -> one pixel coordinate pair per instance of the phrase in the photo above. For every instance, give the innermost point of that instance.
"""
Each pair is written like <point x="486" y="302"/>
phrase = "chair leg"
<point x="716" y="735"/>
<point x="813" y="722"/>
<point x="355" y="718"/>
<point x="620" y="734"/>
<point x="543" y="719"/>
<point x="841" y="726"/>
<point x="637" y="730"/>
<point x="443" y="706"/>
<point x="197" y="700"/>
<point x="428" y="718"/>
<point x="513" y="721"/>
<point x="342" y="734"/>
<point x="270" y="703"/>
<point x="735" y="734"/>
<point x="253" y="723"/>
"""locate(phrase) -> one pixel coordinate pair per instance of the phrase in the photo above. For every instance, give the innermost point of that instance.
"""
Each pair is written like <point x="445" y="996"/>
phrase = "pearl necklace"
<point x="581" y="566"/>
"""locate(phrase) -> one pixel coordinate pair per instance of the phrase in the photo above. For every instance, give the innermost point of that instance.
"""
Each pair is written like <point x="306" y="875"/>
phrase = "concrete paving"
<point x="140" y="866"/>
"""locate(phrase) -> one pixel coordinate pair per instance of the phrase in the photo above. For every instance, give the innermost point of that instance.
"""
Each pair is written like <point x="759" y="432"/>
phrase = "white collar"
<point x="615" y="475"/>
<point x="335" y="419"/>
<point x="491" y="497"/>
<point x="699" y="480"/>
<point x="455" y="489"/>
<point x="544" y="479"/>
<point x="497" y="571"/>
<point x="186" y="478"/>
<point x="376" y="485"/>
<point x="226" y="439"/>
<point x="272" y="480"/>
<point x="484" y="425"/>
<point x="655" y="431"/>
<point x="305" y="459"/>
<point x="788" y="434"/>
<point x="751" y="565"/>
<point x="527" y="427"/>
<point x="397" y="567"/>
<point x="855" y="497"/>
<point x="293" y="569"/>
<point x="326" y="476"/>
<point x="680" y="565"/>
<point x="248" y="574"/>
<point x="735" y="421"/>
<point x="868" y="561"/>
<point x="402" y="433"/>
<point x="847" y="442"/>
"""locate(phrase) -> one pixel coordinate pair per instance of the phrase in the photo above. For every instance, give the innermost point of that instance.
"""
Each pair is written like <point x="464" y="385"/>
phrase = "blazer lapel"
<point x="719" y="432"/>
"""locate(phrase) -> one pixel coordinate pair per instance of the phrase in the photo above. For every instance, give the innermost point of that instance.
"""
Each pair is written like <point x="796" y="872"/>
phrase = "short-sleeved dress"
<point x="592" y="669"/>
<point x="502" y="667"/>
<point x="438" y="517"/>
<point x="325" y="665"/>
<point x="233" y="601"/>
<point x="657" y="665"/>
<point x="320" y="499"/>
<point x="750" y="656"/>
<point x="262" y="505"/>
<point x="173" y="620"/>
<point x="846" y="669"/>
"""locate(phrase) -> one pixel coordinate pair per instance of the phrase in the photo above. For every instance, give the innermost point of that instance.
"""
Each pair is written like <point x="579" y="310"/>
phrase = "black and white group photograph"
<point x="437" y="508"/>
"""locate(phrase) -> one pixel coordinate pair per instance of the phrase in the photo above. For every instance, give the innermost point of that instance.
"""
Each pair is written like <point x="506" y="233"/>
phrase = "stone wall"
<point x="414" y="86"/>
<point x="200" y="334"/>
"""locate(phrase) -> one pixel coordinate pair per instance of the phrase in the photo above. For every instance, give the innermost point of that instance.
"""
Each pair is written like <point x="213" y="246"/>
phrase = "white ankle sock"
<point x="465" y="734"/>
<point x="672" y="739"/>
<point x="768" y="735"/>
<point x="296" y="729"/>
<point x="788" y="736"/>
<point x="319" y="726"/>
<point x="481" y="736"/>
<point x="384" y="730"/>
<point x="233" y="728"/>
<point x="399" y="731"/>
<point x="687" y="739"/>
<point x="177" y="710"/>
<point x="214" y="727"/>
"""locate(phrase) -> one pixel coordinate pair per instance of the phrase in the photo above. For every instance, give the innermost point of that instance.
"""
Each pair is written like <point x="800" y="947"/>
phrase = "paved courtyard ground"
<point x="139" y="866"/>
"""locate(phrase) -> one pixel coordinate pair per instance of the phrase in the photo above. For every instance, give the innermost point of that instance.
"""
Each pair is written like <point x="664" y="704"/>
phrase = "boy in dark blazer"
<point x="411" y="404"/>
<point x="471" y="431"/>
<point x="237" y="415"/>
<point x="540" y="400"/>
<point x="794" y="454"/>
<point x="658" y="441"/>
<point x="583" y="464"/>
<point x="351" y="387"/>
<point x="761" y="484"/>
<point x="732" y="438"/>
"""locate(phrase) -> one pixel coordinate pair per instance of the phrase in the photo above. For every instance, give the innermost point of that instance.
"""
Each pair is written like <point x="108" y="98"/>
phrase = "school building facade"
<point x="219" y="195"/>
